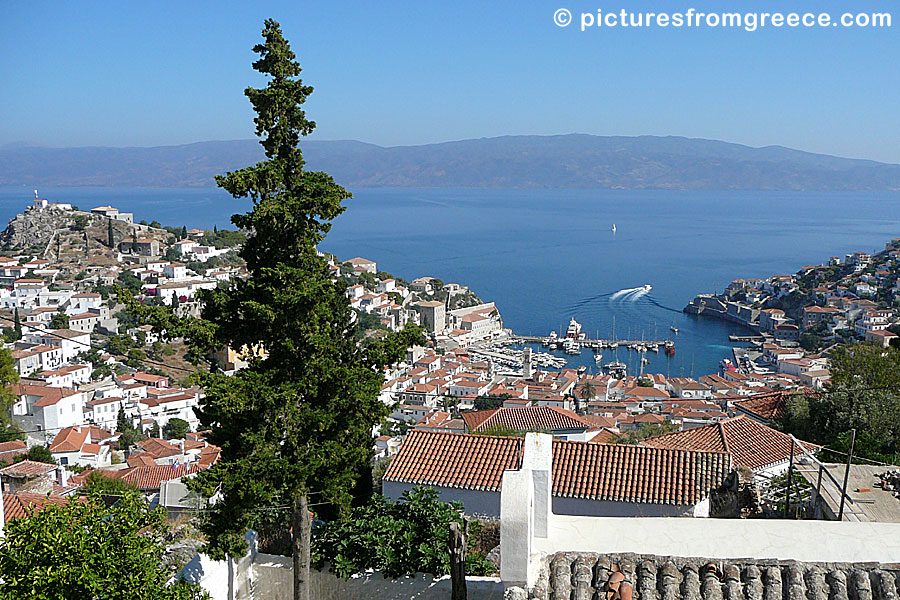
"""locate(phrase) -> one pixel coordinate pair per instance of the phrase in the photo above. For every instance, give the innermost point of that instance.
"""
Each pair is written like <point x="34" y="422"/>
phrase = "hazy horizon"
<point x="28" y="144"/>
<point x="169" y="73"/>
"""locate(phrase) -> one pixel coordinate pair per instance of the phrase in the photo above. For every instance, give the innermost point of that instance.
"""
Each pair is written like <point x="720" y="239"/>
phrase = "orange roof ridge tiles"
<point x="49" y="396"/>
<point x="151" y="477"/>
<point x="768" y="406"/>
<point x="525" y="418"/>
<point x="27" y="467"/>
<point x="752" y="444"/>
<point x="70" y="439"/>
<point x="18" y="505"/>
<point x="596" y="471"/>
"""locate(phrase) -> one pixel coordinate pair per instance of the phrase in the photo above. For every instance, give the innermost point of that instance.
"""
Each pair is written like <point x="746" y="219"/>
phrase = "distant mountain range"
<point x="561" y="161"/>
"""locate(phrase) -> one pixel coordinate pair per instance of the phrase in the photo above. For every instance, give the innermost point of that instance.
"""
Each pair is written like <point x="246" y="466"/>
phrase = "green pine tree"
<point x="8" y="376"/>
<point x="298" y="422"/>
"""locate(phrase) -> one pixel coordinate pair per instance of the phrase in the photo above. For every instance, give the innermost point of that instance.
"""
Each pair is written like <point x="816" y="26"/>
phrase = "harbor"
<point x="594" y="344"/>
<point x="510" y="350"/>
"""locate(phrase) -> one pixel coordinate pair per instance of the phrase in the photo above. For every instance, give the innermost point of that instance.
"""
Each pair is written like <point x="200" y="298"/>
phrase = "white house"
<point x="66" y="377"/>
<point x="38" y="357"/>
<point x="185" y="247"/>
<point x="81" y="446"/>
<point x="82" y="303"/>
<point x="71" y="342"/>
<point x="40" y="408"/>
<point x="184" y="289"/>
<point x="104" y="411"/>
<point x="386" y="285"/>
<point x="175" y="271"/>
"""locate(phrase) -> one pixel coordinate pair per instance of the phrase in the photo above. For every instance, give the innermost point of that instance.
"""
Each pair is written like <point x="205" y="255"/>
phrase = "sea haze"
<point x="545" y="256"/>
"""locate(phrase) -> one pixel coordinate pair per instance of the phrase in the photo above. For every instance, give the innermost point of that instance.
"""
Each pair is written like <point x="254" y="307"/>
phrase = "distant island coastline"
<point x="561" y="161"/>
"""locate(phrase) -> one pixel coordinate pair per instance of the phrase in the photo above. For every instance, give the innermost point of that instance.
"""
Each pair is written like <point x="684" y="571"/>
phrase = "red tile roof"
<point x="752" y="444"/>
<point x="628" y="473"/>
<point x="455" y="460"/>
<point x="612" y="472"/>
<point x="150" y="477"/>
<point x="159" y="448"/>
<point x="141" y="459"/>
<point x="13" y="446"/>
<point x="70" y="439"/>
<point x="16" y="506"/>
<point x="765" y="407"/>
<point x="26" y="468"/>
<point x="525" y="418"/>
<point x="598" y="421"/>
<point x="48" y="396"/>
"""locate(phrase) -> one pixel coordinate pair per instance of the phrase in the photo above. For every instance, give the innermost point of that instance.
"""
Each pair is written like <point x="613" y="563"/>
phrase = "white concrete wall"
<point x="809" y="541"/>
<point x="272" y="579"/>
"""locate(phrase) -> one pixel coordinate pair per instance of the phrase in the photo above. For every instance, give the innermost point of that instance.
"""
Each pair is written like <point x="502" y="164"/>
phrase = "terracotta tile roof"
<point x="141" y="459"/>
<point x="765" y="407"/>
<point x="16" y="506"/>
<point x="209" y="456"/>
<point x="646" y="392"/>
<point x="614" y="472"/>
<point x="150" y="477"/>
<point x="629" y="473"/>
<point x="27" y="468"/>
<point x="70" y="439"/>
<point x="48" y="396"/>
<point x="455" y="460"/>
<point x="598" y="421"/>
<point x="752" y="444"/>
<point x="13" y="446"/>
<point x="159" y="448"/>
<point x="604" y="436"/>
<point x="525" y="418"/>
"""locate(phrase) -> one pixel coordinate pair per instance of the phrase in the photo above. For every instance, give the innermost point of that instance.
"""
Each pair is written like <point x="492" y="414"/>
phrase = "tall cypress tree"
<point x="17" y="323"/>
<point x="299" y="420"/>
<point x="110" y="234"/>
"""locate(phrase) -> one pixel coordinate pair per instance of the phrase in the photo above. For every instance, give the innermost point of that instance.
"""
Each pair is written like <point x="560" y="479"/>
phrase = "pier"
<point x="747" y="338"/>
<point x="590" y="343"/>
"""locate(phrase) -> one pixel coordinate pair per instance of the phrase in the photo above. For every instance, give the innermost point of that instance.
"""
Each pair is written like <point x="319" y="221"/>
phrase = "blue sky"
<point x="157" y="73"/>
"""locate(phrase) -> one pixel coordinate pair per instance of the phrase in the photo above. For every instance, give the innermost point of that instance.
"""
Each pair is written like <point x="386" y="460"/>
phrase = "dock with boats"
<point x="595" y="344"/>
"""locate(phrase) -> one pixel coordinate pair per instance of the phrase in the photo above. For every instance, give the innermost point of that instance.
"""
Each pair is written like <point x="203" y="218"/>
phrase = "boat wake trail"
<point x="656" y="303"/>
<point x="584" y="302"/>
<point x="633" y="296"/>
<point x="625" y="292"/>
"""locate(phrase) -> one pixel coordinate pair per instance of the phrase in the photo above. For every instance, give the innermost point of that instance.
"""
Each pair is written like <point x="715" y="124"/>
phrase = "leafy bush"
<point x="36" y="454"/>
<point x="398" y="538"/>
<point x="100" y="482"/>
<point x="86" y="550"/>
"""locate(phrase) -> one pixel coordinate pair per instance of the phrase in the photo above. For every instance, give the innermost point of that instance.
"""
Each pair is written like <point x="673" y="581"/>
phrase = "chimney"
<point x="62" y="476"/>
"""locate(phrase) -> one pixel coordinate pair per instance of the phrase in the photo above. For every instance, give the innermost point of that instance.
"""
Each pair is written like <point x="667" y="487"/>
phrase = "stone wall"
<point x="639" y="577"/>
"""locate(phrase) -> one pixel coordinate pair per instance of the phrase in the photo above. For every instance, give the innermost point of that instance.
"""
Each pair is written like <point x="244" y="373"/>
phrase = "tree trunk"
<point x="301" y="540"/>
<point x="458" y="542"/>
